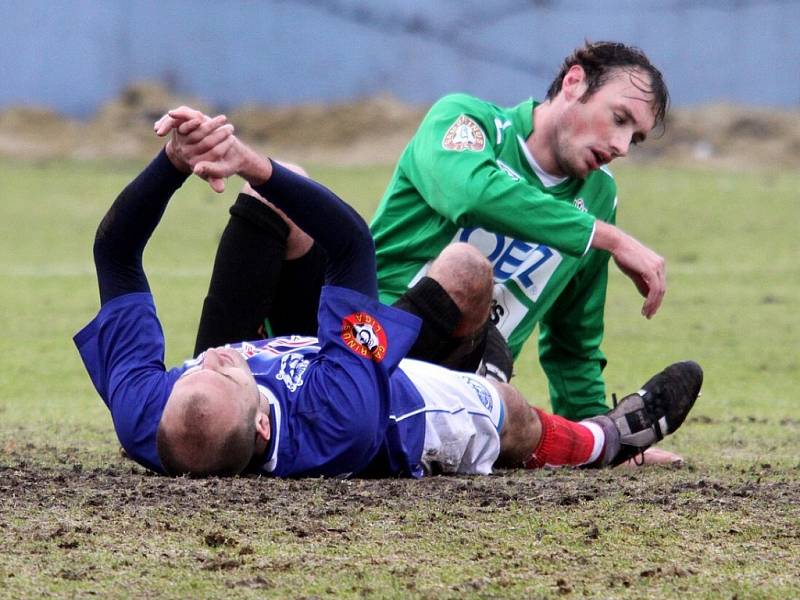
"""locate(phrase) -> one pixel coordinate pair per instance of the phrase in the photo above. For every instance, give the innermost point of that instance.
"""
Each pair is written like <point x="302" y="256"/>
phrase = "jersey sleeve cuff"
<point x="591" y="238"/>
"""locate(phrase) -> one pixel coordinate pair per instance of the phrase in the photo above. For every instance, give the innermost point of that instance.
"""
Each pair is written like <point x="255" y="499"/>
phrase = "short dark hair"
<point x="228" y="458"/>
<point x="599" y="61"/>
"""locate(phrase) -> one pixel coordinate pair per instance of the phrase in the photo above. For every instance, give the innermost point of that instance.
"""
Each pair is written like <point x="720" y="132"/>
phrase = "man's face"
<point x="224" y="373"/>
<point x="591" y="134"/>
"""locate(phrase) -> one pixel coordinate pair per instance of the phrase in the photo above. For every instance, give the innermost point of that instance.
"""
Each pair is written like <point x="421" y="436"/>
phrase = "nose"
<point x="211" y="359"/>
<point x="620" y="145"/>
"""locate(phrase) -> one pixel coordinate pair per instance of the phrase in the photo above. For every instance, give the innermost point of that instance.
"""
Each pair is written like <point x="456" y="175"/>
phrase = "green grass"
<point x="726" y="525"/>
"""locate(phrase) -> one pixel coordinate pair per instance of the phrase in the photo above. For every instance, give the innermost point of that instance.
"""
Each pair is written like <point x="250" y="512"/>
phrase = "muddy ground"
<point x="69" y="529"/>
<point x="374" y="131"/>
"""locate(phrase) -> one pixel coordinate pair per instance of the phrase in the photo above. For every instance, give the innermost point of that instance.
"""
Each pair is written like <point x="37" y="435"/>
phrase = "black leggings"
<point x="255" y="293"/>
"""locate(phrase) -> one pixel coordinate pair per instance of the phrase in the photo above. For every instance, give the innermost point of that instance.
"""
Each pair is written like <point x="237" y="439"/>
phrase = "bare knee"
<point x="521" y="430"/>
<point x="466" y="276"/>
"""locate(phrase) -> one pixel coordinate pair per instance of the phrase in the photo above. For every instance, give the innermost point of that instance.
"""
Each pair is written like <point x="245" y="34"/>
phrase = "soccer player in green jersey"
<point x="529" y="187"/>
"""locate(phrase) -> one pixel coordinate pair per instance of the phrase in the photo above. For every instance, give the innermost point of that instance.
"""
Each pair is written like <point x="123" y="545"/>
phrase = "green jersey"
<point x="467" y="175"/>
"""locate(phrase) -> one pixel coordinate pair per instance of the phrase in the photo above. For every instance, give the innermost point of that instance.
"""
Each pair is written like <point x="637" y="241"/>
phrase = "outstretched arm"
<point x="333" y="224"/>
<point x="127" y="226"/>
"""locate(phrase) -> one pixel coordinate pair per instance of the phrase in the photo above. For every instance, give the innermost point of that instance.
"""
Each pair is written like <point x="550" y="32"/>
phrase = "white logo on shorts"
<point x="483" y="394"/>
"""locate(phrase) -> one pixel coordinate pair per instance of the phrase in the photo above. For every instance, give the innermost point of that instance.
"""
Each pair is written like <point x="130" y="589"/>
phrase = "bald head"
<point x="205" y="432"/>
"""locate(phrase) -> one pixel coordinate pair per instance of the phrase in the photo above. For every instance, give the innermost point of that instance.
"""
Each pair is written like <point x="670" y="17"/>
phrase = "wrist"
<point x="176" y="161"/>
<point x="256" y="169"/>
<point x="606" y="236"/>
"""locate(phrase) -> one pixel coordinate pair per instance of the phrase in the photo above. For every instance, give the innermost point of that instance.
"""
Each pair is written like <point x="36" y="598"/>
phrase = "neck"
<point x="541" y="141"/>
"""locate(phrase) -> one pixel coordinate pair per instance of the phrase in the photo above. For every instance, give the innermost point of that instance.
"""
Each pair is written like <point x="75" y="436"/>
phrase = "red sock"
<point x="563" y="442"/>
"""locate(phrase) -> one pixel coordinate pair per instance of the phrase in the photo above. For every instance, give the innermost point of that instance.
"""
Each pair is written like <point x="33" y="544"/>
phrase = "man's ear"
<point x="262" y="426"/>
<point x="574" y="83"/>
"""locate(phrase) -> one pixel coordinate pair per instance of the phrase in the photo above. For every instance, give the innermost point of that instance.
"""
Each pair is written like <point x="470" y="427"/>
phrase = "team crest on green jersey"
<point x="464" y="134"/>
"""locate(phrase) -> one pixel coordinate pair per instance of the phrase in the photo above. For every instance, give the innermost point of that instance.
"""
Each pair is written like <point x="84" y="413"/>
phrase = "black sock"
<point x="245" y="277"/>
<point x="296" y="303"/>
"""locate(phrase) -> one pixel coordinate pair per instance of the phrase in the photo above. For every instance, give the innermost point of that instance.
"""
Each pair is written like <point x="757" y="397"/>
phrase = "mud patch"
<point x="305" y="507"/>
<point x="513" y="534"/>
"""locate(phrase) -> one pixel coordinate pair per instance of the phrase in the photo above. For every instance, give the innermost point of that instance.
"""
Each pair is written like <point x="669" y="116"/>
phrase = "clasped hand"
<point x="207" y="147"/>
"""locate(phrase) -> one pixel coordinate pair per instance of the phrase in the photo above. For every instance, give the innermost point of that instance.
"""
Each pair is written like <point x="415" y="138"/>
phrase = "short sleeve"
<point x="354" y="325"/>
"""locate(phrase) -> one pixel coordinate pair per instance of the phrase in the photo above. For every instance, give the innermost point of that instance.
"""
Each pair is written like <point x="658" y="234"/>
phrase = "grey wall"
<point x="74" y="55"/>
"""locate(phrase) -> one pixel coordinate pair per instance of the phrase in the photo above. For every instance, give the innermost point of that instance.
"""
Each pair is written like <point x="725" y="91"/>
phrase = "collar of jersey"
<point x="271" y="455"/>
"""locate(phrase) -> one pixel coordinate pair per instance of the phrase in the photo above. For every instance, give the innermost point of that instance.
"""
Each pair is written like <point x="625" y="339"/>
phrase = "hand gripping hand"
<point x="195" y="137"/>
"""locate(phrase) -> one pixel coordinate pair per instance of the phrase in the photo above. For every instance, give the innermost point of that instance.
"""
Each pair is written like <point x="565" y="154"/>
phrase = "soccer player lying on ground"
<point x="343" y="404"/>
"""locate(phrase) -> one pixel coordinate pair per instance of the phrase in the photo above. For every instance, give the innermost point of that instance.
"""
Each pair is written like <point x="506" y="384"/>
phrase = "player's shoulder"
<point x="458" y="104"/>
<point x="599" y="191"/>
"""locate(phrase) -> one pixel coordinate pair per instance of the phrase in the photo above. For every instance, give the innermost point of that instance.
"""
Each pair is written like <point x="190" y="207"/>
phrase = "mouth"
<point x="599" y="159"/>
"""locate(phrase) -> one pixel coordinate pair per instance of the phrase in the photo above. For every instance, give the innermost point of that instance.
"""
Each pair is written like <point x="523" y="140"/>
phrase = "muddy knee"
<point x="466" y="276"/>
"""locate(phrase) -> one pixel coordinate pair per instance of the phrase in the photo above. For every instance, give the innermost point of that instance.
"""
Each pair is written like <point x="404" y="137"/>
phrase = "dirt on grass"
<point x="597" y="533"/>
<point x="124" y="487"/>
<point x="374" y="131"/>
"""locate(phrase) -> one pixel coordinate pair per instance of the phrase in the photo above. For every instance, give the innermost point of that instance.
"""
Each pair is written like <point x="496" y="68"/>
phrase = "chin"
<point x="578" y="172"/>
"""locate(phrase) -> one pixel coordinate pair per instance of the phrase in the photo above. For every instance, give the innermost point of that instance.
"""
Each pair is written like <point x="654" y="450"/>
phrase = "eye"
<point x="619" y="119"/>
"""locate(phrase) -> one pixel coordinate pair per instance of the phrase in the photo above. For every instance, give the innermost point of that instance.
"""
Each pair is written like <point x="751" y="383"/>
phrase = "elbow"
<point x="101" y="249"/>
<point x="357" y="243"/>
<point x="362" y="240"/>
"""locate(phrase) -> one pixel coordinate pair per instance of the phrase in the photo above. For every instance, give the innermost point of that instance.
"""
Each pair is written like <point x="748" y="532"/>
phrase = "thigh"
<point x="463" y="417"/>
<point x="245" y="275"/>
<point x="296" y="302"/>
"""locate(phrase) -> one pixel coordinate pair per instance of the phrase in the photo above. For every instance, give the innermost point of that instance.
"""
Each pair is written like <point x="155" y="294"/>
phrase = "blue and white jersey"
<point x="334" y="398"/>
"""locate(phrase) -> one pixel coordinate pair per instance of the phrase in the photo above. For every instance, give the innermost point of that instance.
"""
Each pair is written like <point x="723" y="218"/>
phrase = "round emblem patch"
<point x="464" y="134"/>
<point x="364" y="335"/>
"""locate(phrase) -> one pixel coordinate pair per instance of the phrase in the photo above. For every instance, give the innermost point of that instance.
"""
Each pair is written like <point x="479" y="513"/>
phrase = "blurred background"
<point x="347" y="80"/>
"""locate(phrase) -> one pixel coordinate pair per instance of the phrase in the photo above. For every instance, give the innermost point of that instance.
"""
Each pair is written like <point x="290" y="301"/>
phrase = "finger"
<point x="217" y="184"/>
<point x="184" y="113"/>
<point x="164" y="125"/>
<point x="174" y="117"/>
<point x="642" y="287"/>
<point x="187" y="127"/>
<point x="204" y="128"/>
<point x="654" y="297"/>
<point x="213" y="147"/>
<point x="208" y="170"/>
<point x="212" y="174"/>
